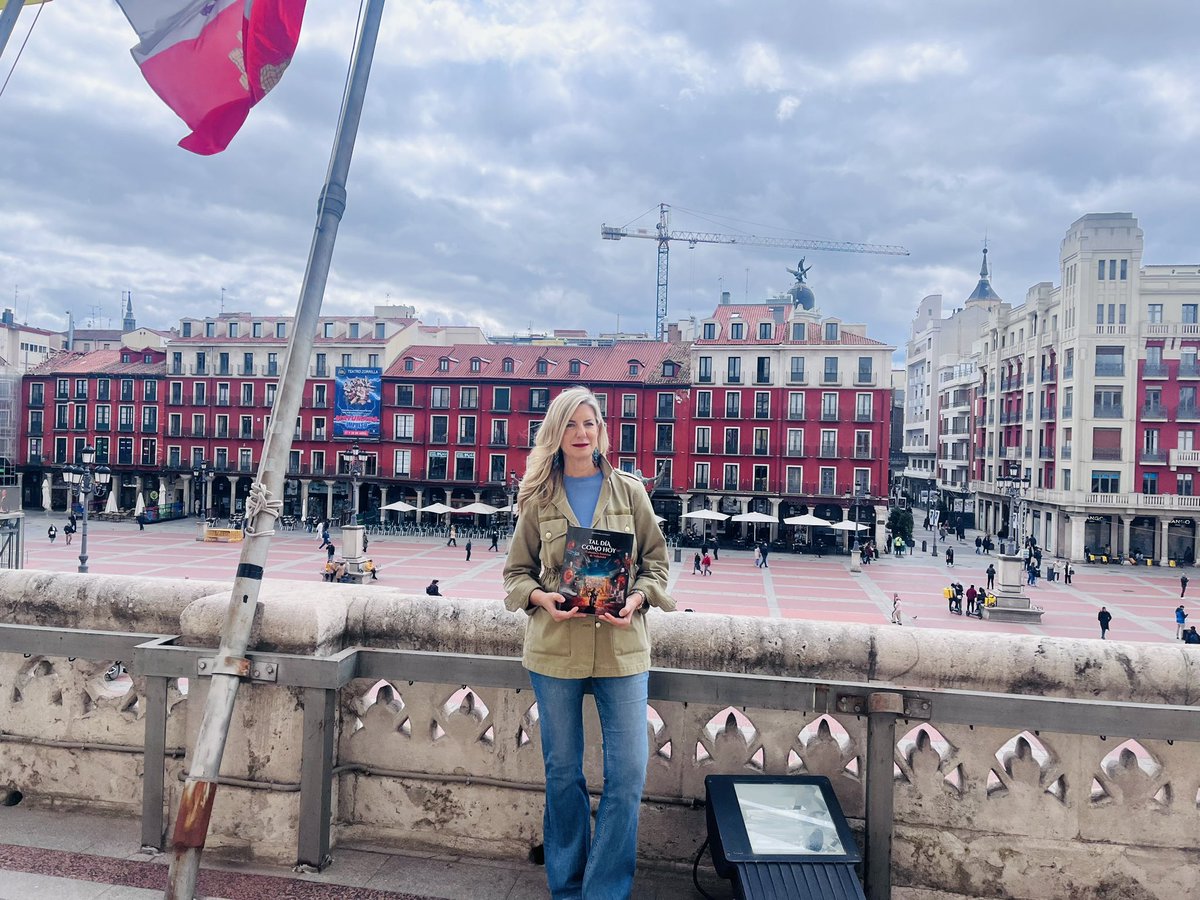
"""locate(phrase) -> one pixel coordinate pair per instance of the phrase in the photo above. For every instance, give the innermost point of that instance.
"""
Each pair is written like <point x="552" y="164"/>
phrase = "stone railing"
<point x="377" y="716"/>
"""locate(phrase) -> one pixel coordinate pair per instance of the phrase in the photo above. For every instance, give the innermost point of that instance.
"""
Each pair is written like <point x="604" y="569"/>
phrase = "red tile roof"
<point x="101" y="362"/>
<point x="597" y="364"/>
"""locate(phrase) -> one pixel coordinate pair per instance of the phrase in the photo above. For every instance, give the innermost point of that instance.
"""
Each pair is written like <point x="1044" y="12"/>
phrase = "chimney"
<point x="6" y="317"/>
<point x="724" y="298"/>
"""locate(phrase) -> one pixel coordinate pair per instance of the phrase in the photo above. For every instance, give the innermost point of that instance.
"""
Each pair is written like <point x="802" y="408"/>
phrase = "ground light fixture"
<point x="779" y="837"/>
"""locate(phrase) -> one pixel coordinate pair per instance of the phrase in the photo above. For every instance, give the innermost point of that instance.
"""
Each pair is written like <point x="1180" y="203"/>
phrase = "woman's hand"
<point x="549" y="601"/>
<point x="633" y="603"/>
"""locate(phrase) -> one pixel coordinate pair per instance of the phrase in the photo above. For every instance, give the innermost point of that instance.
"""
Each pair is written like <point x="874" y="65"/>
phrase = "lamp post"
<point x="935" y="497"/>
<point x="354" y="459"/>
<point x="203" y="476"/>
<point x="1012" y="485"/>
<point x="514" y="485"/>
<point x="87" y="480"/>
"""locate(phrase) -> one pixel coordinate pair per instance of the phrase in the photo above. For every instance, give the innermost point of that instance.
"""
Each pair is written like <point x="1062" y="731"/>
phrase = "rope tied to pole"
<point x="258" y="502"/>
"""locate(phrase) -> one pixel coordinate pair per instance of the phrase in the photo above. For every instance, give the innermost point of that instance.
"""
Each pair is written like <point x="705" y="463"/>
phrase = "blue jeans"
<point x="580" y="865"/>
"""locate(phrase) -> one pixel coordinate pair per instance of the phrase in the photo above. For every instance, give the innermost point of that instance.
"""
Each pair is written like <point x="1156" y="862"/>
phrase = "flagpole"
<point x="8" y="21"/>
<point x="263" y="505"/>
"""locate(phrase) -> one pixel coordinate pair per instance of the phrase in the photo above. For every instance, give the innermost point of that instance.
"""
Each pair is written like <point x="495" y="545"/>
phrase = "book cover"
<point x="596" y="566"/>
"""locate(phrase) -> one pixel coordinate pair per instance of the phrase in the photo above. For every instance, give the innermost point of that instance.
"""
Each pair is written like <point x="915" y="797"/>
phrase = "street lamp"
<point x="203" y="476"/>
<point x="1012" y="485"/>
<point x="859" y="493"/>
<point x="87" y="481"/>
<point x="514" y="485"/>
<point x="355" y="458"/>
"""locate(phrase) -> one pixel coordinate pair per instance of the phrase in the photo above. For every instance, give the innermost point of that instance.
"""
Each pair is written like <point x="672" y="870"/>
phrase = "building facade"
<point x="1088" y="393"/>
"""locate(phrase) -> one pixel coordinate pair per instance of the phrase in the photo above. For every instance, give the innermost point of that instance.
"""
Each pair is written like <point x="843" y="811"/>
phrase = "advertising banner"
<point x="357" y="402"/>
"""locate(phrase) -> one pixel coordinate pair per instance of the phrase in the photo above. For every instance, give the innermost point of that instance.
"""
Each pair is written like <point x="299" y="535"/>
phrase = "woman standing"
<point x="568" y="481"/>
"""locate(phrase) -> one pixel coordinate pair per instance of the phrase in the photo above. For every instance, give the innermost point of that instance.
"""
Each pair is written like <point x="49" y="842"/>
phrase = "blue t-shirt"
<point x="583" y="494"/>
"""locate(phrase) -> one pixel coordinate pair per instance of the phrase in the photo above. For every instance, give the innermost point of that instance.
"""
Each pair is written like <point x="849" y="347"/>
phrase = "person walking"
<point x="52" y="533"/>
<point x="567" y="477"/>
<point x="896" y="620"/>
<point x="325" y="541"/>
<point x="950" y="557"/>
<point x="758" y="560"/>
<point x="1105" y="618"/>
<point x="68" y="533"/>
<point x="978" y="545"/>
<point x="495" y="536"/>
<point x="764" y="550"/>
<point x="991" y="575"/>
<point x="452" y="537"/>
<point x="329" y="551"/>
<point x="1068" y="572"/>
<point x="468" y="549"/>
<point x="696" y="570"/>
<point x="706" y="564"/>
<point x="1180" y="621"/>
<point x="141" y="520"/>
<point x="971" y="595"/>
<point x="1183" y="582"/>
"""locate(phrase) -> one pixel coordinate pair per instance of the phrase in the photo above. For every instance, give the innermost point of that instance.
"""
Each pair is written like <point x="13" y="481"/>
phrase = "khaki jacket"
<point x="585" y="646"/>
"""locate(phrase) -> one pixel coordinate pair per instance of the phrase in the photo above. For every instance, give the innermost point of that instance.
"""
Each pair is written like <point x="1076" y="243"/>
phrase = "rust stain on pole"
<point x="195" y="810"/>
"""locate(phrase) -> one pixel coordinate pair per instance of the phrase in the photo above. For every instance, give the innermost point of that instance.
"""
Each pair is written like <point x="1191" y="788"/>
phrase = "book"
<point x="596" y="567"/>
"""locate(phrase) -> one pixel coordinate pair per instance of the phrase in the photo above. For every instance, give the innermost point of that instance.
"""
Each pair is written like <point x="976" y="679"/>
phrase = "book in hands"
<point x="596" y="567"/>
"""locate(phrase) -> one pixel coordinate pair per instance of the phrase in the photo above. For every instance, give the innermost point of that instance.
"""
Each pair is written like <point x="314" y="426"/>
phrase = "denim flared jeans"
<point x="581" y="865"/>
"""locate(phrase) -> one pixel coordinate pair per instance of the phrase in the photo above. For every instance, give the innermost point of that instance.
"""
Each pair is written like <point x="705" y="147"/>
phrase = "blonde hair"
<point x="542" y="476"/>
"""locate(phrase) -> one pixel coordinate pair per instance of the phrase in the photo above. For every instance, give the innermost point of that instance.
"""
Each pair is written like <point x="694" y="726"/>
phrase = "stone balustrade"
<point x="995" y="795"/>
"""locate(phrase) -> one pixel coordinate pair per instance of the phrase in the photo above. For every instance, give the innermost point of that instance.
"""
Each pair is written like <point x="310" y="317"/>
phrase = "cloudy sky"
<point x="498" y="136"/>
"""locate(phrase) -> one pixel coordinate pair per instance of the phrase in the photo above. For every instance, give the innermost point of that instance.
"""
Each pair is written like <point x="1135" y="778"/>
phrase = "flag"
<point x="212" y="60"/>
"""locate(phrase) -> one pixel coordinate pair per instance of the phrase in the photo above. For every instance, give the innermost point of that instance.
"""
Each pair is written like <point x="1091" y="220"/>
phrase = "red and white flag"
<point x="212" y="60"/>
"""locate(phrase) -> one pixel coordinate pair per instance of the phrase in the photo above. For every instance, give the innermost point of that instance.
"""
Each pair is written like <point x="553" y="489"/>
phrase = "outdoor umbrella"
<point x="46" y="493"/>
<point x="806" y="519"/>
<point x="706" y="514"/>
<point x="140" y="507"/>
<point x="479" y="509"/>
<point x="757" y="517"/>
<point x="436" y="508"/>
<point x="846" y="525"/>
<point x="399" y="506"/>
<point x="111" y="505"/>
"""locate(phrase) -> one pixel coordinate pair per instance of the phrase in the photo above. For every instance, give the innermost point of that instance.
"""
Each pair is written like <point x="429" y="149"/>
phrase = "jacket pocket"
<point x="545" y="637"/>
<point x="552" y="539"/>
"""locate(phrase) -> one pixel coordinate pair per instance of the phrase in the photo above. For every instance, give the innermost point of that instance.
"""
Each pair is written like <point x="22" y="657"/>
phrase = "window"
<point x="828" y="484"/>
<point x="506" y="365"/>
<point x="831" y="369"/>
<point x="1110" y="361"/>
<point x="380" y="331"/>
<point x="318" y="462"/>
<point x="733" y="370"/>
<point x="404" y="395"/>
<point x="1154" y="313"/>
<point x="187" y="329"/>
<point x="500" y="399"/>
<point x="127" y="389"/>
<point x="666" y="406"/>
<point x="733" y="404"/>
<point x="862" y="445"/>
<point x="628" y="439"/>
<point x="573" y="367"/>
<point x="795" y="405"/>
<point x="403" y="423"/>
<point x="634" y="368"/>
<point x="247" y="393"/>
<point x="865" y="374"/>
<point x="828" y="443"/>
<point x="731" y="477"/>
<point x="1112" y="270"/>
<point x="439" y="429"/>
<point x="1124" y="269"/>
<point x="829" y="406"/>
<point x="762" y="370"/>
<point x="795" y="442"/>
<point x="319" y="428"/>
<point x="1189" y="313"/>
<point x="539" y="399"/>
<point x="373" y="360"/>
<point x="664" y="440"/>
<point x="80" y="416"/>
<point x="831" y="331"/>
<point x="37" y="394"/>
<point x="439" y="398"/>
<point x="81" y="388"/>
<point x="409" y="364"/>
<point x="704" y="439"/>
<point x="704" y="374"/>
<point x="468" y="398"/>
<point x="862" y="408"/>
<point x="737" y="331"/>
<point x="762" y="404"/>
<point x="464" y="466"/>
<point x="703" y="404"/>
<point x="149" y="418"/>
<point x="281" y="329"/>
<point x="233" y="329"/>
<point x="764" y="331"/>
<point x="1100" y="269"/>
<point x="1149" y="480"/>
<point x="438" y="460"/>
<point x="602" y="402"/>
<point x="1183" y="485"/>
<point x="499" y="433"/>
<point x="353" y="331"/>
<point x="328" y="332"/>
<point x="542" y="367"/>
<point x="322" y="366"/>
<point x="444" y="364"/>
<point x="709" y="331"/>
<point x="1105" y="482"/>
<point x="256" y="329"/>
<point x="629" y="406"/>
<point x="797" y="369"/>
<point x="669" y="369"/>
<point x="733" y="441"/>
<point x="701" y="479"/>
<point x="210" y="329"/>
<point x="795" y="480"/>
<point x="1108" y="403"/>
<point x="476" y="364"/>
<point x="466" y="429"/>
<point x="762" y="441"/>
<point x="247" y="427"/>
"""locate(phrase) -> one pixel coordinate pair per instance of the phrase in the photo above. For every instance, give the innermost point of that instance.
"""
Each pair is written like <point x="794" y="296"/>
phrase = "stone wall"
<point x="981" y="810"/>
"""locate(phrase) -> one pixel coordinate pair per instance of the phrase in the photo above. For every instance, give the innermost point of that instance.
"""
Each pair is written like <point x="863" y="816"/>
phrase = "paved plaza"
<point x="1141" y="600"/>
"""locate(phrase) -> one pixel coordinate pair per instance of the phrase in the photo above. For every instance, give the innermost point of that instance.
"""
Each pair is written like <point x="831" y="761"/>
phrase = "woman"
<point x="569" y="482"/>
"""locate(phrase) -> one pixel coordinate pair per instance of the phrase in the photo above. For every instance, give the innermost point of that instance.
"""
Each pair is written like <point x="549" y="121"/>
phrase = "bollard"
<point x="678" y="555"/>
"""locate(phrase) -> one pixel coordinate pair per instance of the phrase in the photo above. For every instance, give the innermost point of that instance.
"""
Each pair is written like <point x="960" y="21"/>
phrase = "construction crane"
<point x="664" y="235"/>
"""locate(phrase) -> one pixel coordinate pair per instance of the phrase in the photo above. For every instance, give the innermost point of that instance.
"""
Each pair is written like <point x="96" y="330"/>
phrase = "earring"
<point x="596" y="458"/>
<point x="556" y="460"/>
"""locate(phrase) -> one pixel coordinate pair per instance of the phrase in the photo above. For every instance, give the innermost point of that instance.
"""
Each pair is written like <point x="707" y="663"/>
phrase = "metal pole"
<point x="200" y="789"/>
<point x="882" y="710"/>
<point x="8" y="21"/>
<point x="85" y="491"/>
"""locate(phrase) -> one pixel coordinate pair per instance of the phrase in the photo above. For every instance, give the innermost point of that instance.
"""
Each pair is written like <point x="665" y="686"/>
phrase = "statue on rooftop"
<point x="800" y="271"/>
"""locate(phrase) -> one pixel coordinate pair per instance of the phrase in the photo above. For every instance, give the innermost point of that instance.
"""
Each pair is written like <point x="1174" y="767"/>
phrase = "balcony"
<point x="797" y="378"/>
<point x="733" y="379"/>
<point x="700" y="484"/>
<point x="1068" y="411"/>
<point x="1028" y="452"/>
<point x="864" y="379"/>
<point x="761" y="450"/>
<point x="126" y="427"/>
<point x="1184" y="458"/>
<point x="1110" y="370"/>
<point x="1189" y="369"/>
<point x="860" y="453"/>
<point x="794" y="451"/>
<point x="1045" y="452"/>
<point x="1154" y="370"/>
<point x="1047" y="414"/>
<point x="831" y="379"/>
<point x="829" y="415"/>
<point x="1029" y="377"/>
<point x="1155" y="412"/>
<point x="34" y="430"/>
<point x="1029" y="414"/>
<point x="319" y="372"/>
<point x="1107" y="453"/>
<point x="199" y="370"/>
<point x="704" y="378"/>
<point x="1068" y="371"/>
<point x="1152" y="457"/>
<point x="1114" y="411"/>
<point x="37" y="402"/>
<point x="1049" y="374"/>
<point x="1188" y="412"/>
<point x="861" y="416"/>
<point x="828" y="452"/>
<point x="795" y="415"/>
<point x="665" y="415"/>
<point x="704" y="449"/>
<point x="222" y="401"/>
<point x="149" y="428"/>
<point x="496" y="441"/>
<point x="762" y="414"/>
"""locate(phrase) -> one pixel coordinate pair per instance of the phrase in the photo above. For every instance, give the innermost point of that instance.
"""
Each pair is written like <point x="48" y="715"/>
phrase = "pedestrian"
<point x="1105" y="618"/>
<point x="365" y="542"/>
<point x="329" y="551"/>
<point x="978" y="545"/>
<point x="495" y="536"/>
<point x="896" y="610"/>
<point x="758" y="560"/>
<point x="325" y="541"/>
<point x="971" y="595"/>
<point x="1180" y="621"/>
<point x="696" y="570"/>
<point x="567" y="472"/>
<point x="1190" y="636"/>
<point x="141" y="520"/>
<point x="1183" y="580"/>
<point x="765" y="550"/>
<point x="706" y="564"/>
<point x="991" y="576"/>
<point x="68" y="532"/>
<point x="52" y="533"/>
<point x="468" y="549"/>
<point x="1068" y="573"/>
<point x="950" y="557"/>
<point x="452" y="540"/>
<point x="433" y="590"/>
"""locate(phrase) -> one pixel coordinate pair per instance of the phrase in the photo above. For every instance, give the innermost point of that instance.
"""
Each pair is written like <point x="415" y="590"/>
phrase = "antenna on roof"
<point x="747" y="284"/>
<point x="222" y="301"/>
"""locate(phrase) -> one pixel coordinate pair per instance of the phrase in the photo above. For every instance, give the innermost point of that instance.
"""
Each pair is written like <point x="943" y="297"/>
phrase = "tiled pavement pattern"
<point x="1142" y="600"/>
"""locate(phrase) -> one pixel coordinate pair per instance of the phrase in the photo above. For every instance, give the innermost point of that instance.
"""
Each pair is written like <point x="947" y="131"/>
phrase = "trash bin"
<point x="924" y="546"/>
<point x="678" y="555"/>
<point x="933" y="550"/>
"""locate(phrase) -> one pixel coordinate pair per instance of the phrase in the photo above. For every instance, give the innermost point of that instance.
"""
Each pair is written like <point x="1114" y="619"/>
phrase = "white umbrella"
<point x="479" y="509"/>
<point x="140" y="507"/>
<point x="760" y="518"/>
<point x="659" y="519"/>
<point x="847" y="525"/>
<point x="436" y="508"/>
<point x="806" y="519"/>
<point x="512" y="507"/>
<point x="399" y="506"/>
<point x="46" y="493"/>
<point x="111" y="505"/>
<point x="706" y="514"/>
